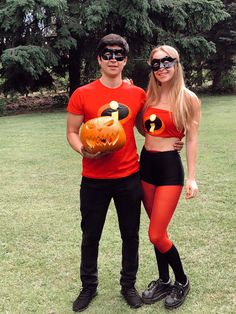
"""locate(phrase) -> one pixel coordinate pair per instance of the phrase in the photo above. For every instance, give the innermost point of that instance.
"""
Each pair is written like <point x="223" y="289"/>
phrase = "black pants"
<point x="95" y="196"/>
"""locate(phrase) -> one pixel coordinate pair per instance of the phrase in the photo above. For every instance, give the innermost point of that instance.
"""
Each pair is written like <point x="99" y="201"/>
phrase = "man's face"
<point x="112" y="60"/>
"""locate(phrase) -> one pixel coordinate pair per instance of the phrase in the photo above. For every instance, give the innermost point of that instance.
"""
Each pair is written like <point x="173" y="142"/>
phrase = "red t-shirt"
<point x="93" y="100"/>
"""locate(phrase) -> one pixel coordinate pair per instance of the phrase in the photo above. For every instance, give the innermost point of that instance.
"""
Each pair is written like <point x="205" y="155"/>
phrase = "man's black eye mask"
<point x="109" y="54"/>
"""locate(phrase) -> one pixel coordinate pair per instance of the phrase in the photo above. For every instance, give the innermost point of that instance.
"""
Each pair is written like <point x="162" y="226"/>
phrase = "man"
<point x="108" y="176"/>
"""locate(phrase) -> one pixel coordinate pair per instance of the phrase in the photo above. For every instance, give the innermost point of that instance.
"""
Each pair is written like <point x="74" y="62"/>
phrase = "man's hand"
<point x="178" y="145"/>
<point x="128" y="80"/>
<point x="87" y="154"/>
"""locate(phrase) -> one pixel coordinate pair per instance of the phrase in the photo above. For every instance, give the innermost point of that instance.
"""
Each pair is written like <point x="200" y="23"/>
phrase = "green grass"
<point x="40" y="221"/>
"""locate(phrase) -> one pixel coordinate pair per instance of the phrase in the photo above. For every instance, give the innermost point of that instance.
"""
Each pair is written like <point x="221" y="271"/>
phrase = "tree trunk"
<point x="216" y="81"/>
<point x="74" y="70"/>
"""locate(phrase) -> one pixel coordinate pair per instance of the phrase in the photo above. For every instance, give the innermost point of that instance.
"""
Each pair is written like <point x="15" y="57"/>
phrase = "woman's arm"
<point x="192" y="149"/>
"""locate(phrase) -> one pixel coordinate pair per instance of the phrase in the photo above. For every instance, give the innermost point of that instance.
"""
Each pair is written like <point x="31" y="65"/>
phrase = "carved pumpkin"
<point x="102" y="134"/>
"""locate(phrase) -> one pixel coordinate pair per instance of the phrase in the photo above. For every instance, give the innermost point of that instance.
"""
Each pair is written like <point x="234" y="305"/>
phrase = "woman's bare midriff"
<point x="161" y="144"/>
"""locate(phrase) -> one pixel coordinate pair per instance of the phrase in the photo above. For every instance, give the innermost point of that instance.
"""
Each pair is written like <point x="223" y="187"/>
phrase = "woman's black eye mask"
<point x="164" y="63"/>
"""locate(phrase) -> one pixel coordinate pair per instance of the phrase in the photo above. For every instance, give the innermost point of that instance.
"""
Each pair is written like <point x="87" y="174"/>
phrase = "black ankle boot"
<point x="132" y="297"/>
<point x="156" y="291"/>
<point x="83" y="300"/>
<point x="177" y="295"/>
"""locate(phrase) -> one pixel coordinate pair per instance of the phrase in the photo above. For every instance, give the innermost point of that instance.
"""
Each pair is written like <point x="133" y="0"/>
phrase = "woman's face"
<point x="166" y="71"/>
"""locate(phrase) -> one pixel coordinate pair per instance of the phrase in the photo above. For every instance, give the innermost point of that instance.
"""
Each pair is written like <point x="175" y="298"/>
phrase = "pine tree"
<point x="66" y="34"/>
<point x="223" y="34"/>
<point x="28" y="30"/>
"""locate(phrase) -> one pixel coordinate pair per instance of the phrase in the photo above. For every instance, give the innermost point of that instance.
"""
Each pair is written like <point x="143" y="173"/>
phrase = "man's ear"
<point x="125" y="60"/>
<point x="99" y="59"/>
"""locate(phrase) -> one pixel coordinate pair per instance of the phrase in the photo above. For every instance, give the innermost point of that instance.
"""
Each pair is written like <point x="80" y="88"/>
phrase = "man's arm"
<point x="74" y="123"/>
<point x="139" y="125"/>
<point x="178" y="145"/>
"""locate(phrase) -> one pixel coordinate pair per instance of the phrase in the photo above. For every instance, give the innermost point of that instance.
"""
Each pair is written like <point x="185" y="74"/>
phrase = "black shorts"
<point x="161" y="168"/>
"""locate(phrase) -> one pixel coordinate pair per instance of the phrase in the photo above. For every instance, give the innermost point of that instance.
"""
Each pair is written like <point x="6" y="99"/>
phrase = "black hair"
<point x="112" y="40"/>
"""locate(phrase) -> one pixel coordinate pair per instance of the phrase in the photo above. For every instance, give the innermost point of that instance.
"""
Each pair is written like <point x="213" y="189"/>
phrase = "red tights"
<point x="160" y="203"/>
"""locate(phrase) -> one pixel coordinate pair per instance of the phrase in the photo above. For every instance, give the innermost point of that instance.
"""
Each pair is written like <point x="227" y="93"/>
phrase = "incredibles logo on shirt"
<point x="153" y="124"/>
<point x="115" y="110"/>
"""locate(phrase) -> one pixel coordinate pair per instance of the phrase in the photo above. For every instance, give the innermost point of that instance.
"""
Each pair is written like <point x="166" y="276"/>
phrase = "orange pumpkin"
<point x="102" y="134"/>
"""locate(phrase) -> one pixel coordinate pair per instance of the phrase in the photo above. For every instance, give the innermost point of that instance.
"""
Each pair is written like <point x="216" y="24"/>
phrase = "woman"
<point x="171" y="112"/>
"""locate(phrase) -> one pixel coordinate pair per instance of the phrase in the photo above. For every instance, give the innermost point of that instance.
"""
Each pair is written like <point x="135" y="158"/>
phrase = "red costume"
<point x="162" y="177"/>
<point x="113" y="176"/>
<point x="94" y="100"/>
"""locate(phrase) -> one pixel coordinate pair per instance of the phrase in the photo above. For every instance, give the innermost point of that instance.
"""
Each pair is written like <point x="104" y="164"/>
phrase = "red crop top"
<point x="159" y="122"/>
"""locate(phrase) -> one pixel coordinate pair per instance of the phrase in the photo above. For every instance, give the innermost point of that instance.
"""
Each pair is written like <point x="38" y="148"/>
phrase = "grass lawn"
<point x="40" y="221"/>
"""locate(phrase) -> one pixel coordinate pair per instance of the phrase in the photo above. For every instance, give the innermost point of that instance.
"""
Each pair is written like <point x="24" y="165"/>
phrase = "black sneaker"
<point x="156" y="291"/>
<point x="132" y="297"/>
<point x="177" y="295"/>
<point x="85" y="297"/>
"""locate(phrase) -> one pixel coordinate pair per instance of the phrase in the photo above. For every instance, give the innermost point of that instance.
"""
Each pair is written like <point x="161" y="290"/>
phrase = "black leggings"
<point x="96" y="195"/>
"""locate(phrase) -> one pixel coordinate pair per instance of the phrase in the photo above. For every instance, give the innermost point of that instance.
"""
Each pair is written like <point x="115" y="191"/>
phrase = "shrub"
<point x="228" y="82"/>
<point x="3" y="105"/>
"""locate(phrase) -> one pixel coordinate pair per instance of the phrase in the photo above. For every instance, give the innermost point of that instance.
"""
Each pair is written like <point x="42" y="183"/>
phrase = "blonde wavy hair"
<point x="180" y="96"/>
